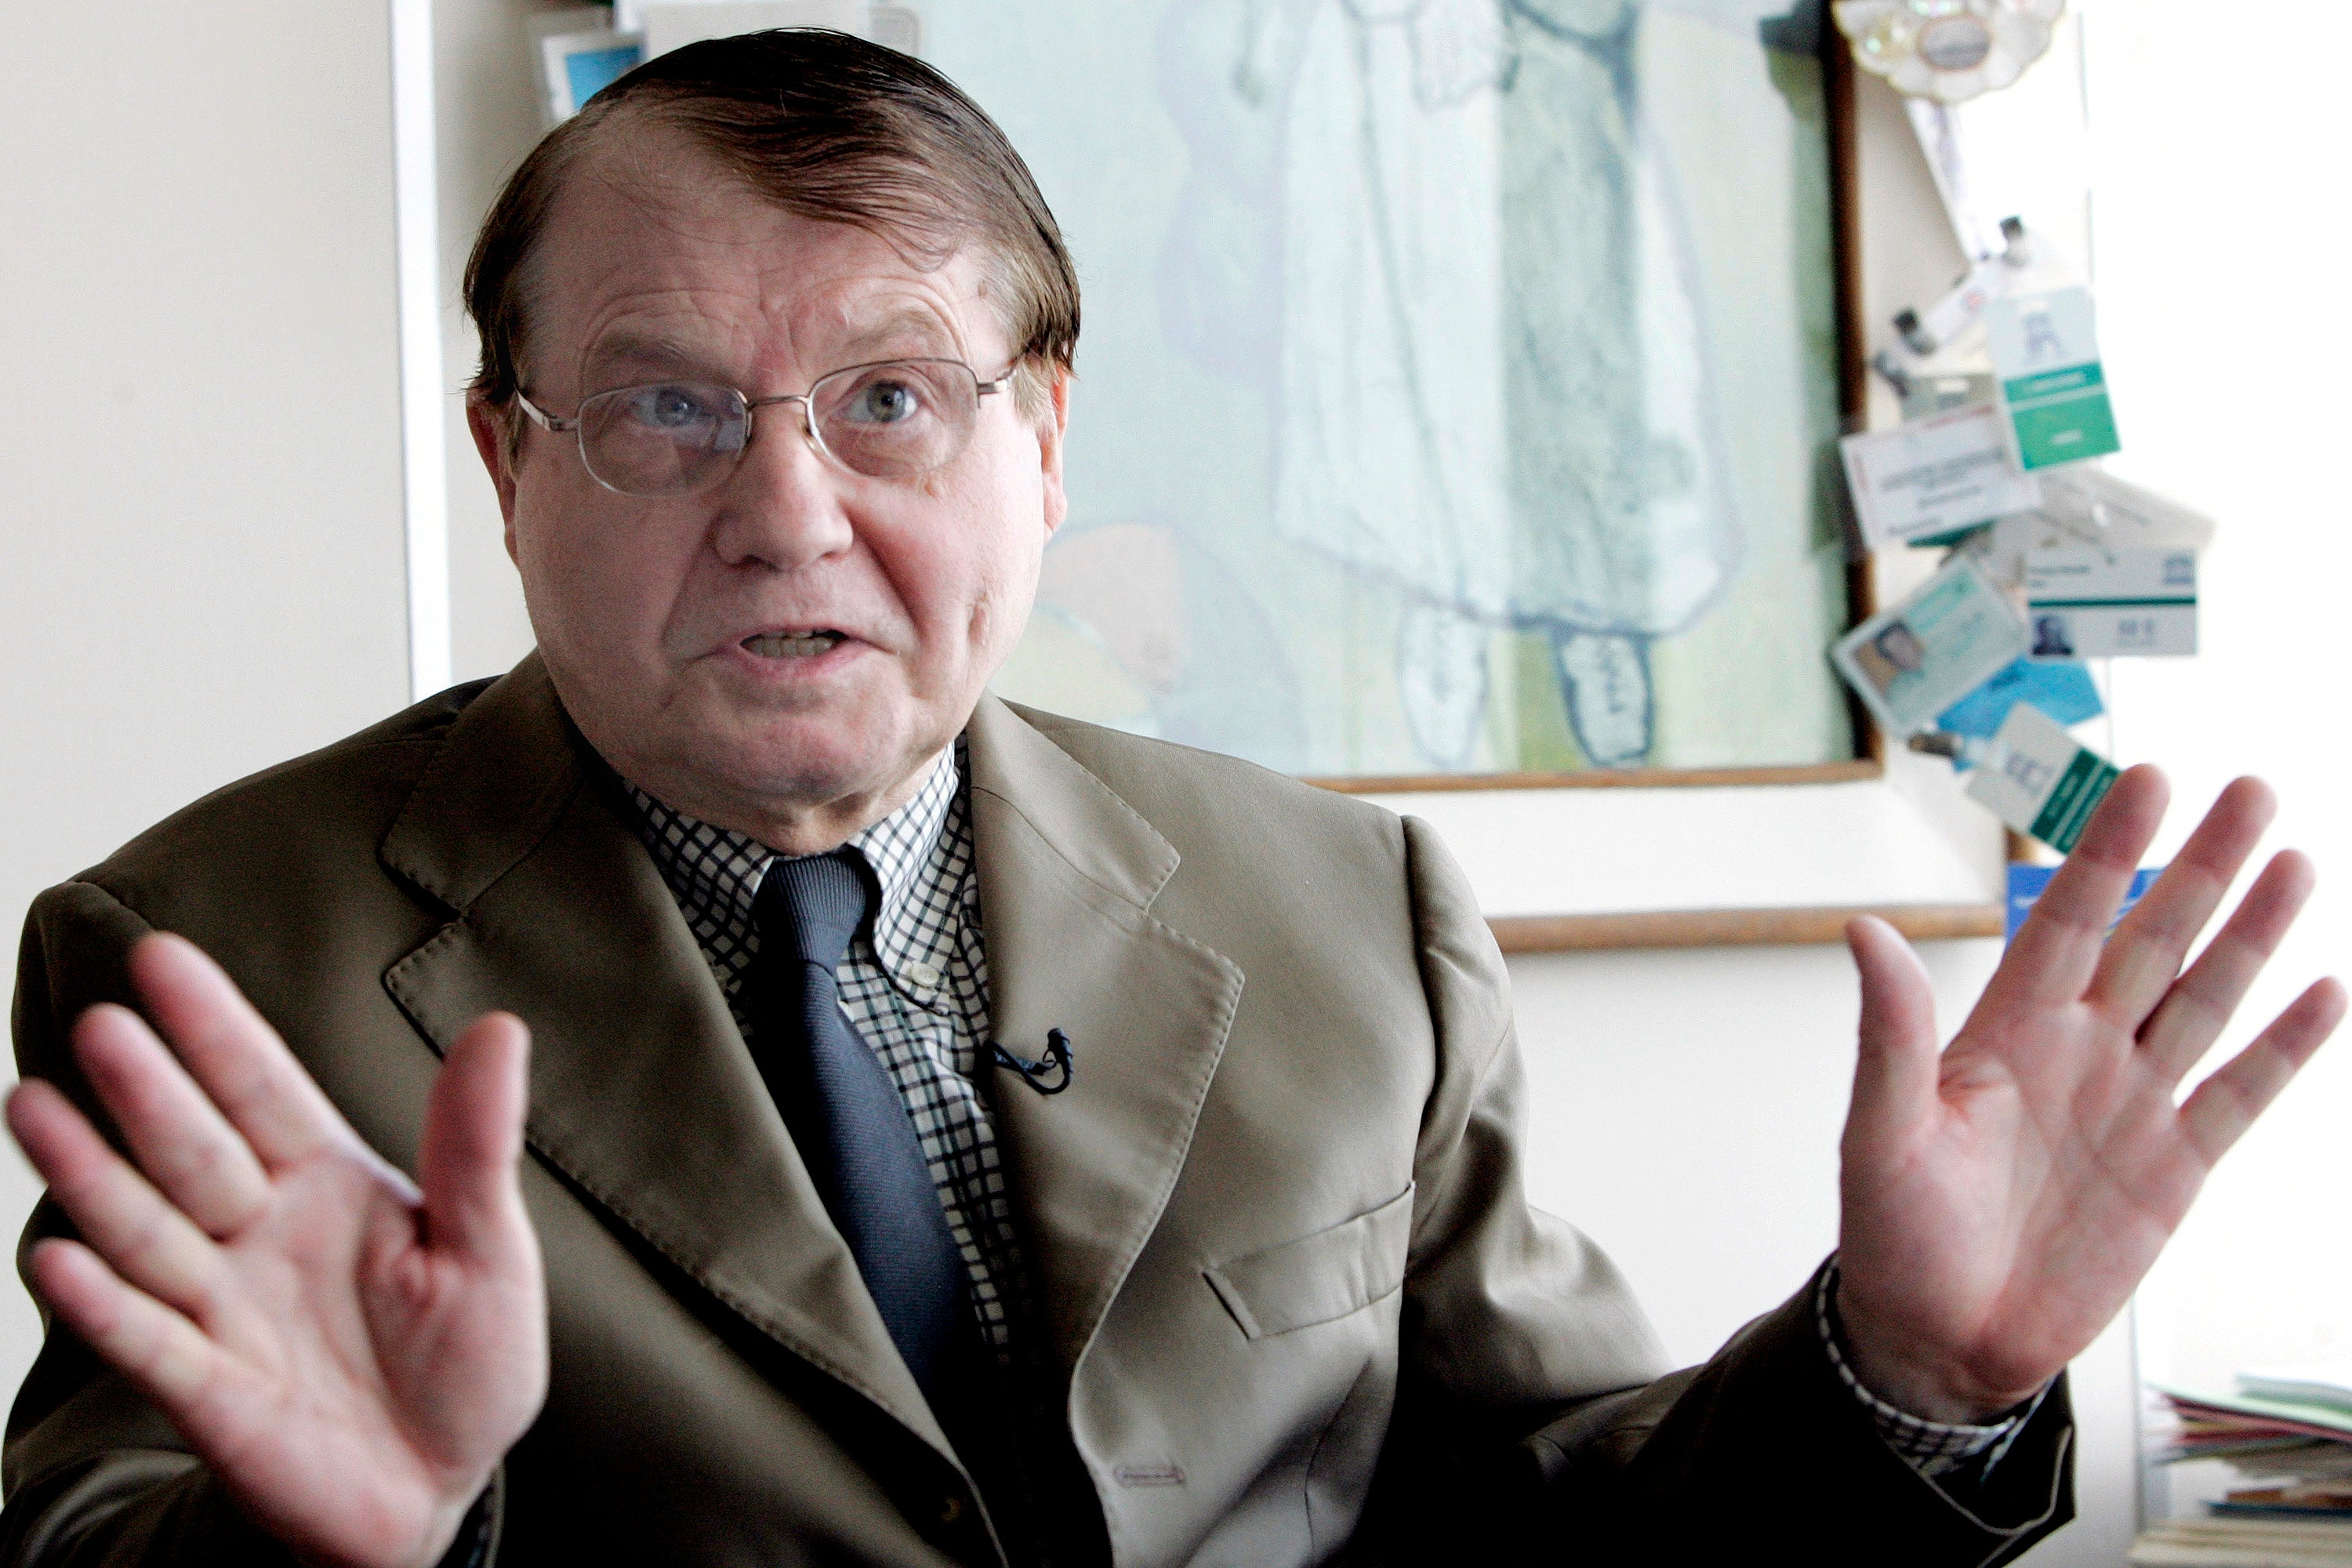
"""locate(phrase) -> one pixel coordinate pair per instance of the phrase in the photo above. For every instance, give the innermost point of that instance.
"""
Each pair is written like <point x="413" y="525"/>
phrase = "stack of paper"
<point x="2218" y="1423"/>
<point x="2220" y="1542"/>
<point x="2286" y="1438"/>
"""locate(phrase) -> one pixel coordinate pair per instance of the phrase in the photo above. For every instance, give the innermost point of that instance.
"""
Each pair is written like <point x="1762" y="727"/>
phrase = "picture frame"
<point x="1469" y="402"/>
<point x="579" y="52"/>
<point x="1568" y="859"/>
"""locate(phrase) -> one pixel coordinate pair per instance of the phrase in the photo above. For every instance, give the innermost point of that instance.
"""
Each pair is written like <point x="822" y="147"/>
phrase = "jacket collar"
<point x="1068" y="873"/>
<point x="643" y="1094"/>
<point x="562" y="918"/>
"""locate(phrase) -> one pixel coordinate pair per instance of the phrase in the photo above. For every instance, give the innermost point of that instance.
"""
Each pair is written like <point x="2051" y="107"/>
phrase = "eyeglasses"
<point x="899" y="419"/>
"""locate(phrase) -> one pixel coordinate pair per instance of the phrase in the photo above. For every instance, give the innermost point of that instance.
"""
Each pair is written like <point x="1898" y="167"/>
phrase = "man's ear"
<point x="1053" y="428"/>
<point x="488" y="425"/>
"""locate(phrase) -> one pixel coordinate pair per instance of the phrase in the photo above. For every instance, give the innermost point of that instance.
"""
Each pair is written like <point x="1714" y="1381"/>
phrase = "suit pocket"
<point x="1315" y="1279"/>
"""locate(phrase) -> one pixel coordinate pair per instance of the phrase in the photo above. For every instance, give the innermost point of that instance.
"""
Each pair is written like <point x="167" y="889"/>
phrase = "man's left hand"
<point x="2003" y="1199"/>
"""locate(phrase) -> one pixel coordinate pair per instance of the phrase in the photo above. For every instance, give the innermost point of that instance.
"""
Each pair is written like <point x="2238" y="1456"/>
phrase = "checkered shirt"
<point x="915" y="987"/>
<point x="1937" y="1450"/>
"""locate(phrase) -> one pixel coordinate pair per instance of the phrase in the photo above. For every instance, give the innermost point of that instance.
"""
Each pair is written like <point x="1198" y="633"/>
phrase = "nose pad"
<point x="801" y="417"/>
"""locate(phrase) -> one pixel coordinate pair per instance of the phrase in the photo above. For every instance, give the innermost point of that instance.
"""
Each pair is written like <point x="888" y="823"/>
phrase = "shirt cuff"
<point x="1934" y="1448"/>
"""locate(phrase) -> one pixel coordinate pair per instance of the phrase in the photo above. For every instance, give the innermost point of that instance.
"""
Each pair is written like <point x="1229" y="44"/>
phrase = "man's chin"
<point x="812" y="764"/>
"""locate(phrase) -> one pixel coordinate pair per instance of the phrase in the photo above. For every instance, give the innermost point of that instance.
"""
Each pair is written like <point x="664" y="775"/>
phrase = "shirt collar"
<point x="714" y="873"/>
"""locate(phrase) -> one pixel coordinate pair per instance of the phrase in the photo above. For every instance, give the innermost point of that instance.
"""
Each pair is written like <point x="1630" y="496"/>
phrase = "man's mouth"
<point x="793" y="644"/>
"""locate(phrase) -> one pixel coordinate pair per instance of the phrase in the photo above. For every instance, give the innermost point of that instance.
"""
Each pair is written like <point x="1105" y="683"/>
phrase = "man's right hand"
<point x="348" y="1357"/>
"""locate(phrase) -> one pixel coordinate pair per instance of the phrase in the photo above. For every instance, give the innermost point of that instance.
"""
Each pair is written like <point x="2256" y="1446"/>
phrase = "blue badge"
<point x="2026" y="883"/>
<point x="2063" y="691"/>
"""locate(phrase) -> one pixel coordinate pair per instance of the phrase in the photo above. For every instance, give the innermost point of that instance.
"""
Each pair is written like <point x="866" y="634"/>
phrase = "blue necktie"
<point x="846" y="1114"/>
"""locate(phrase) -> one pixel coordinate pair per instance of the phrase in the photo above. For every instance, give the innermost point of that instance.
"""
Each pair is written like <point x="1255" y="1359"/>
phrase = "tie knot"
<point x="812" y="906"/>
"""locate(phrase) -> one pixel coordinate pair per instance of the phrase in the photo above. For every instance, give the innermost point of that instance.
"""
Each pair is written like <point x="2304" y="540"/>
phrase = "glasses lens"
<point x="897" y="420"/>
<point x="669" y="439"/>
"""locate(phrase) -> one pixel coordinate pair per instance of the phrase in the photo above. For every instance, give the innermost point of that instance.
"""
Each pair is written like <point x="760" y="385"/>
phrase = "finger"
<point x="1894" y="1070"/>
<point x="234" y="1054"/>
<point x="469" y="1158"/>
<point x="180" y="1139"/>
<point x="2149" y="947"/>
<point x="2194" y="1011"/>
<point x="168" y="1357"/>
<point x="2226" y="1104"/>
<point x="119" y="1216"/>
<point x="2057" y="949"/>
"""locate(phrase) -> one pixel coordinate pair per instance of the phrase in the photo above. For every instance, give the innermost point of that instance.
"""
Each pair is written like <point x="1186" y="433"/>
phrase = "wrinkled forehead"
<point x="653" y="256"/>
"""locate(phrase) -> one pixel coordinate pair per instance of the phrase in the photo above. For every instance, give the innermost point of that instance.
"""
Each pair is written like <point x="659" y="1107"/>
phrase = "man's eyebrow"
<point x="894" y="328"/>
<point x="648" y="350"/>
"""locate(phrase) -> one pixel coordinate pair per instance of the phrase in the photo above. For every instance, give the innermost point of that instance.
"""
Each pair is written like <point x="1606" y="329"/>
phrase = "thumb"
<point x="473" y="1141"/>
<point x="1894" y="1068"/>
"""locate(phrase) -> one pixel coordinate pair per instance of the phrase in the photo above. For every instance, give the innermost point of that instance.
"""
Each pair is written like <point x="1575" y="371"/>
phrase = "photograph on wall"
<point x="1459" y="387"/>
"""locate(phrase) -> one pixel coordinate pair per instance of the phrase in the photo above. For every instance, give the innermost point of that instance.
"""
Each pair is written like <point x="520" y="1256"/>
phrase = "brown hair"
<point x="827" y="126"/>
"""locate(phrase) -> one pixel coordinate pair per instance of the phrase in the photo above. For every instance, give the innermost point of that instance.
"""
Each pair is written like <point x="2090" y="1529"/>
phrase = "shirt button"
<point x="924" y="974"/>
<point x="952" y="1510"/>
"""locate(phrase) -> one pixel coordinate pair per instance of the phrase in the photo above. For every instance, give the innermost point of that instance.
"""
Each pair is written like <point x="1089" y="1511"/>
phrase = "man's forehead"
<point x="686" y="338"/>
<point x="649" y="263"/>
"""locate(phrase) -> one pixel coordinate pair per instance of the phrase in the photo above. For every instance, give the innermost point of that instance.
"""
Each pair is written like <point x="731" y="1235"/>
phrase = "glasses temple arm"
<point x="543" y="419"/>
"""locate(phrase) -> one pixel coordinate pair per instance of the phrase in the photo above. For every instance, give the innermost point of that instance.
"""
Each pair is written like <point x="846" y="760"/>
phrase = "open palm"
<point x="2003" y="1198"/>
<point x="349" y="1356"/>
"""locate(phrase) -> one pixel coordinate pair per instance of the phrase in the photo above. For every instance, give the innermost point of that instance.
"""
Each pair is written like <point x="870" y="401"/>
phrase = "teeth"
<point x="791" y="644"/>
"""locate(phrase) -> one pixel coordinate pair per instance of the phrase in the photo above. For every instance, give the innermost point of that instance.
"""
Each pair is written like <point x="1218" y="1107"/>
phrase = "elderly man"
<point x="953" y="1133"/>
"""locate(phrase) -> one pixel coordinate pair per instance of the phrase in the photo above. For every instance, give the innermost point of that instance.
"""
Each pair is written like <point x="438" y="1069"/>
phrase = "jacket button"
<point x="952" y="1510"/>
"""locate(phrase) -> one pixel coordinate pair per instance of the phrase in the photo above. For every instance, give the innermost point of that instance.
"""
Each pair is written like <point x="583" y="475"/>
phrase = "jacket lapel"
<point x="642" y="1093"/>
<point x="1067" y="875"/>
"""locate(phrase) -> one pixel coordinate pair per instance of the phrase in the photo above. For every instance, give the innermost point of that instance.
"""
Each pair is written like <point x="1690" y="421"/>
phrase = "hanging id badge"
<point x="2046" y="355"/>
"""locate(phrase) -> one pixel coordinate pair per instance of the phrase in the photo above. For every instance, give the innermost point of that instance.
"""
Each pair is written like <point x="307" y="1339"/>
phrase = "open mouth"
<point x="791" y="643"/>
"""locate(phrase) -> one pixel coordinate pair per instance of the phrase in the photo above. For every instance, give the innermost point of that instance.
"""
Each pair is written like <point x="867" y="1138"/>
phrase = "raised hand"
<point x="348" y="1357"/>
<point x="2001" y="1200"/>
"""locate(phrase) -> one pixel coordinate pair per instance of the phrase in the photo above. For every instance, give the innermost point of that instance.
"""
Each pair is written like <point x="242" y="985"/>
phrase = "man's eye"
<point x="671" y="408"/>
<point x="884" y="403"/>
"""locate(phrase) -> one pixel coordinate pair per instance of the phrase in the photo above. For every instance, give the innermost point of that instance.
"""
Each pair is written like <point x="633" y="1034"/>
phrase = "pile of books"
<point x="2285" y="1443"/>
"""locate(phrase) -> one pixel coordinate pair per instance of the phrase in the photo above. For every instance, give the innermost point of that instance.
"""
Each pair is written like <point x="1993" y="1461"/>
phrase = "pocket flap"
<point x="1318" y="1278"/>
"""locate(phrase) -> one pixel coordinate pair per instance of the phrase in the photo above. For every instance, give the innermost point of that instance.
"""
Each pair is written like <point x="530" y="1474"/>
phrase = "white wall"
<point x="200" y="522"/>
<point x="2221" y="229"/>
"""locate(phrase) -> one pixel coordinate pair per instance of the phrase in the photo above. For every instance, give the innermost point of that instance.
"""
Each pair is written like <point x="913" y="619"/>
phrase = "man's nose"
<point x="782" y="507"/>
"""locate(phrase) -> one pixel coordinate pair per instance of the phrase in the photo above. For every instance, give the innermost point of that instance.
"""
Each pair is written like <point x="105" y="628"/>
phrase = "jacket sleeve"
<point x="1530" y="1404"/>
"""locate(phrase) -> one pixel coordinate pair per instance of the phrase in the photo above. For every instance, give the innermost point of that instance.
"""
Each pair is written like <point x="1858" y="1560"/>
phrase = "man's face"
<point x="679" y="630"/>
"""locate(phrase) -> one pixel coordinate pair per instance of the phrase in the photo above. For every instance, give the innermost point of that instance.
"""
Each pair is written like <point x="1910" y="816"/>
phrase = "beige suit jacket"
<point x="1301" y="1306"/>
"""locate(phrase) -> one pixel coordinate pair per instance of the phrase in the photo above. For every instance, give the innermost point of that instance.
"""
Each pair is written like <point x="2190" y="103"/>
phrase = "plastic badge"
<point x="1910" y="663"/>
<point x="1934" y="475"/>
<point x="2063" y="691"/>
<point x="2026" y="883"/>
<point x="2097" y="604"/>
<point x="2045" y="352"/>
<point x="2040" y="781"/>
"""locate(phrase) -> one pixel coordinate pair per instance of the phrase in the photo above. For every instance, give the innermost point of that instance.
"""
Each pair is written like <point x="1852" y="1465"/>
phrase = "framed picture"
<point x="1456" y="416"/>
<point x="1458" y="382"/>
<point x="578" y="55"/>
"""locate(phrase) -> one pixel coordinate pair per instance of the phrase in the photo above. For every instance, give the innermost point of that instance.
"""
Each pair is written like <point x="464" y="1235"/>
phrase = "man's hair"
<point x="824" y="125"/>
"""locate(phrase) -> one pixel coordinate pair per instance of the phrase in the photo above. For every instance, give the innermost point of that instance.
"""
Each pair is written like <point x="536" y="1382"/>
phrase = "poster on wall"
<point x="1460" y="383"/>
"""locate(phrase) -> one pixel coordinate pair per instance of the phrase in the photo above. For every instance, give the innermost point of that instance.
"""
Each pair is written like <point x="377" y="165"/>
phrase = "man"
<point x="953" y="1133"/>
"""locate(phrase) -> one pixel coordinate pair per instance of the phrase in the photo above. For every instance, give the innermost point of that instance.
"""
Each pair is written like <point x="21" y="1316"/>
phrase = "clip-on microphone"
<point x="1059" y="1057"/>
